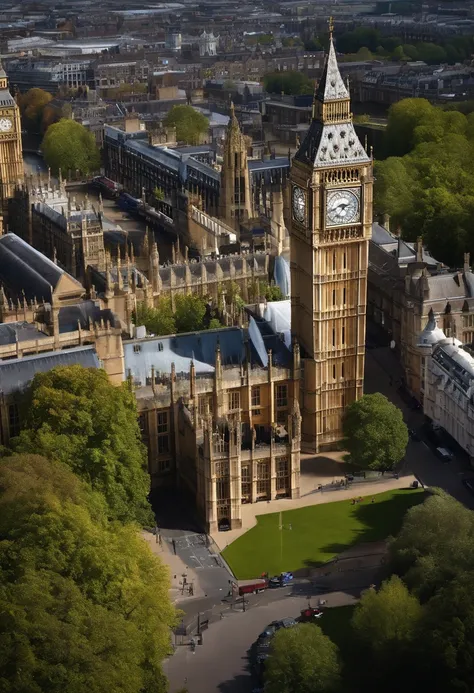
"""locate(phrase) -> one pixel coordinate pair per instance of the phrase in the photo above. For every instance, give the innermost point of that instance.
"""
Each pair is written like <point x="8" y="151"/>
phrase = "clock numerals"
<point x="342" y="207"/>
<point x="299" y="204"/>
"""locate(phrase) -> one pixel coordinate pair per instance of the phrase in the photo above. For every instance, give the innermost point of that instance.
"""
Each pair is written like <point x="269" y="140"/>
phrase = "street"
<point x="221" y="663"/>
<point x="420" y="457"/>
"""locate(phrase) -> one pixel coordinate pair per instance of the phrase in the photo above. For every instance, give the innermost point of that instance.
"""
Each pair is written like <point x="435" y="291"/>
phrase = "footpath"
<point x="179" y="593"/>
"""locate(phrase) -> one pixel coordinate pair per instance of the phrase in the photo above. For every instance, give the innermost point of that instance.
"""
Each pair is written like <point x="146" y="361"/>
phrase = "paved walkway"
<point x="251" y="512"/>
<point x="177" y="568"/>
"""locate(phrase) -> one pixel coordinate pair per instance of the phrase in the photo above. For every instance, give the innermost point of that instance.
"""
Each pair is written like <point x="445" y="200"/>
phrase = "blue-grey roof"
<point x="199" y="347"/>
<point x="267" y="164"/>
<point x="25" y="271"/>
<point x="16" y="374"/>
<point x="21" y="331"/>
<point x="159" y="156"/>
<point x="70" y="316"/>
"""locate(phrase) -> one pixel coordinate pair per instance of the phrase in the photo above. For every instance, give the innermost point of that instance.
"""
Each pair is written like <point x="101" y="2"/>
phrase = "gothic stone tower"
<point x="11" y="160"/>
<point x="331" y="223"/>
<point x="235" y="203"/>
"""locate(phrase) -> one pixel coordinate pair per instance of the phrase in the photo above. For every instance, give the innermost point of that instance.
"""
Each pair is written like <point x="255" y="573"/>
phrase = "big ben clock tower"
<point x="331" y="223"/>
<point x="11" y="159"/>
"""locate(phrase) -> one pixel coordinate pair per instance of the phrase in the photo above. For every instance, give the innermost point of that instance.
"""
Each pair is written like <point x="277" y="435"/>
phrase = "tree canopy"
<point x="69" y="146"/>
<point x="426" y="187"/>
<point x="294" y="83"/>
<point x="375" y="434"/>
<point x="386" y="618"/>
<point x="75" y="415"/>
<point x="32" y="106"/>
<point x="191" y="314"/>
<point x="84" y="602"/>
<point x="434" y="545"/>
<point x="302" y="659"/>
<point x="190" y="124"/>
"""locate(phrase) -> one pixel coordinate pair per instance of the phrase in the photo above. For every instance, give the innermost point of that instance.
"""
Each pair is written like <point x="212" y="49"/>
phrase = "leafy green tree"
<point x="302" y="659"/>
<point x="158" y="320"/>
<point x="32" y="105"/>
<point x="375" y="434"/>
<point x="385" y="627"/>
<point x="399" y="54"/>
<point x="434" y="545"/>
<point x="190" y="312"/>
<point x="386" y="617"/>
<point x="190" y="124"/>
<point x="410" y="51"/>
<point x="292" y="83"/>
<point x="75" y="415"/>
<point x="431" y="53"/>
<point x="447" y="644"/>
<point x="69" y="146"/>
<point x="394" y="189"/>
<point x="85" y="596"/>
<point x="403" y="117"/>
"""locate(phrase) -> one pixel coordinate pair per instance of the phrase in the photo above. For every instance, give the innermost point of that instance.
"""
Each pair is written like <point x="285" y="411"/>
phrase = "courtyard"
<point x="306" y="537"/>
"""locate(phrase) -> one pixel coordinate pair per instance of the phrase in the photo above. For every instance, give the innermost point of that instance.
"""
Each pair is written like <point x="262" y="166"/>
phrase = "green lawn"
<point x="317" y="533"/>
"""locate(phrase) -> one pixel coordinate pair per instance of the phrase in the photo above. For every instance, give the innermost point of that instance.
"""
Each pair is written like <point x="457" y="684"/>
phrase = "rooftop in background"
<point x="403" y="250"/>
<point x="16" y="374"/>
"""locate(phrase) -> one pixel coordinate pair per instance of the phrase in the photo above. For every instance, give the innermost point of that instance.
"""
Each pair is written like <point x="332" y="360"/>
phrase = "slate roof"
<point x="21" y="331"/>
<point x="16" y="374"/>
<point x="331" y="85"/>
<point x="26" y="272"/>
<point x="70" y="316"/>
<point x="327" y="144"/>
<point x="199" y="347"/>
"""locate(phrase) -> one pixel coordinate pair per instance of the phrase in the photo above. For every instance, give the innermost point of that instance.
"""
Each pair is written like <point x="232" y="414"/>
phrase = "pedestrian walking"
<point x="373" y="499"/>
<point x="174" y="547"/>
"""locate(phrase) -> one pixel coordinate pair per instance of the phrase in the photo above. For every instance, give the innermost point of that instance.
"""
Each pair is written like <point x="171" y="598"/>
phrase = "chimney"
<point x="386" y="222"/>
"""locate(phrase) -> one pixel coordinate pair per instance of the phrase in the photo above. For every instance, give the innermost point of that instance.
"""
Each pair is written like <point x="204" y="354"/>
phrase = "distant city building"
<point x="447" y="380"/>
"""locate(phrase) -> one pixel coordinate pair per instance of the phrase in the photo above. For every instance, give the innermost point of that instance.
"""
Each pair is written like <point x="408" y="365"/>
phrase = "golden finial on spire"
<point x="331" y="27"/>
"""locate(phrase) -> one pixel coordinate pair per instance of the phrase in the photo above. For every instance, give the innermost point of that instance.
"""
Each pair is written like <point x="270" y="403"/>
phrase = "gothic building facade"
<point x="331" y="224"/>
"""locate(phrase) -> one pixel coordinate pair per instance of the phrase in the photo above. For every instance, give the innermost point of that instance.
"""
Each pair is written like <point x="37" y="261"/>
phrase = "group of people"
<point x="354" y="501"/>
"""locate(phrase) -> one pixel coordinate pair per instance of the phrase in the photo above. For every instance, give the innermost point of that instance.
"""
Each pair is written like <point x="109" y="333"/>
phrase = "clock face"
<point x="299" y="204"/>
<point x="5" y="124"/>
<point x="342" y="207"/>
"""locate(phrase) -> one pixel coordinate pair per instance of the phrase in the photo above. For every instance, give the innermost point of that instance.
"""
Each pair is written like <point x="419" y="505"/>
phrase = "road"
<point x="221" y="663"/>
<point x="420" y="457"/>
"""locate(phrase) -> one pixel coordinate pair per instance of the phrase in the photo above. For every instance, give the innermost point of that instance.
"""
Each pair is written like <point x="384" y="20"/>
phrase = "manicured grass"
<point x="315" y="534"/>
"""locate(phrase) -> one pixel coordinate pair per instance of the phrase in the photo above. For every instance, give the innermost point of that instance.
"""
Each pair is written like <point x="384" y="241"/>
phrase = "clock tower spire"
<point x="331" y="224"/>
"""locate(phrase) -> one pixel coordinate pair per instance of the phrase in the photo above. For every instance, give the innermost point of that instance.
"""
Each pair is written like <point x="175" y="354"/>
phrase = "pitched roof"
<point x="331" y="85"/>
<point x="16" y="374"/>
<point x="25" y="272"/>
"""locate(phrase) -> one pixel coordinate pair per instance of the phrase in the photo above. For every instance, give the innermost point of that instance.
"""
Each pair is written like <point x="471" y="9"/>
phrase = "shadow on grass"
<point x="381" y="520"/>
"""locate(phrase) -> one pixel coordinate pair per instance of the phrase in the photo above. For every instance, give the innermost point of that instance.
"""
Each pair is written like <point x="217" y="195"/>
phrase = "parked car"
<point x="268" y="632"/>
<point x="280" y="580"/>
<point x="444" y="454"/>
<point x="310" y="614"/>
<point x="286" y="623"/>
